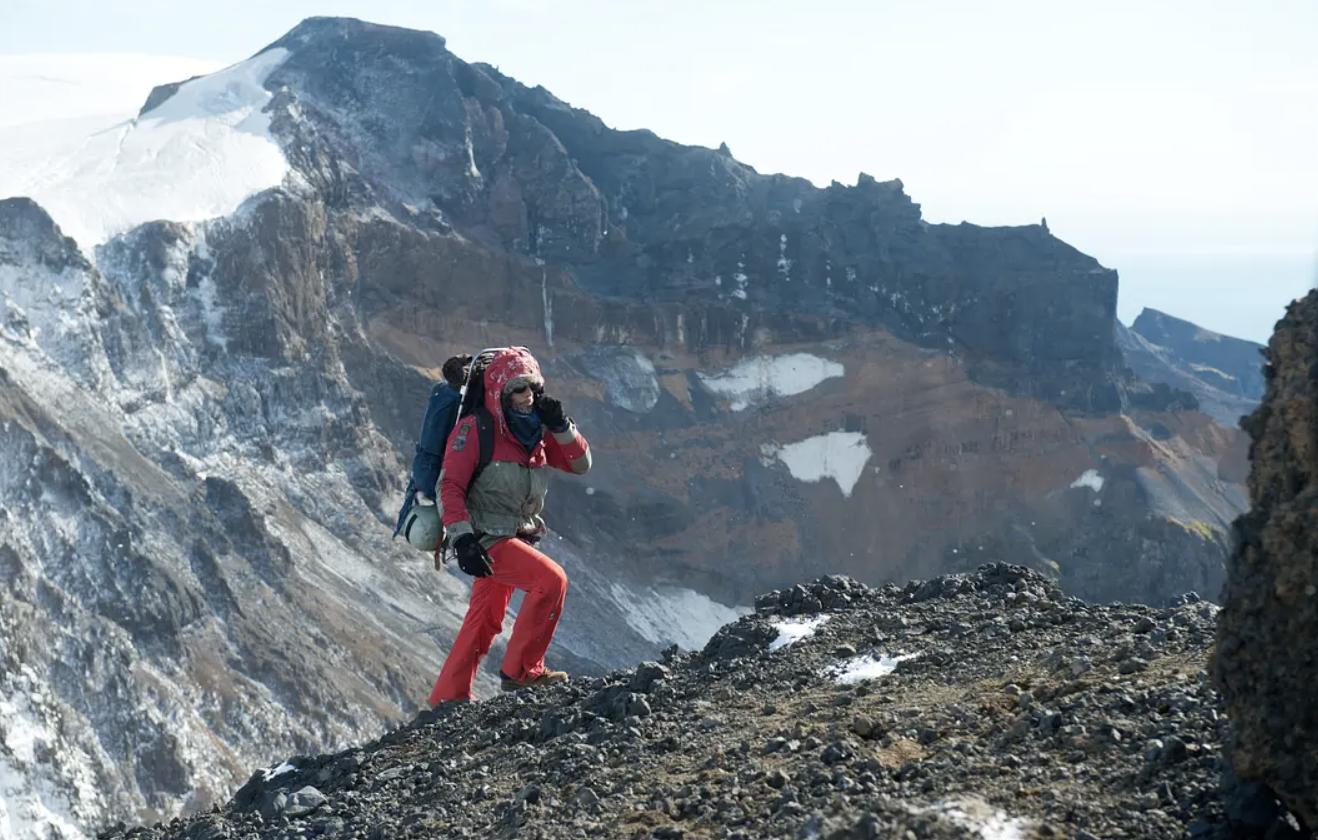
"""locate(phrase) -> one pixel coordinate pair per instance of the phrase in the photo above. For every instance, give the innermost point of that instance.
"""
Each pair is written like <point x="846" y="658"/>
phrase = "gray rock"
<point x="586" y="798"/>
<point x="303" y="802"/>
<point x="1132" y="665"/>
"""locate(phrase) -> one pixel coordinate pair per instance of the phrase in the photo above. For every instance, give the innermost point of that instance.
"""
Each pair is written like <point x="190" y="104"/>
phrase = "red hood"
<point x="508" y="364"/>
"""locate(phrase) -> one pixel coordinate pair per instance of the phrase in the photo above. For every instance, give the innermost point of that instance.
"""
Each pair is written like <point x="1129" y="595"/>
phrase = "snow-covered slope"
<point x="198" y="155"/>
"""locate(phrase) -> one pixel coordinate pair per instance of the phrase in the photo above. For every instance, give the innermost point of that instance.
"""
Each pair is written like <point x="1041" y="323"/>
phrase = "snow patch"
<point x="794" y="630"/>
<point x="275" y="772"/>
<point x="548" y="307"/>
<point x="1090" y="479"/>
<point x="840" y="456"/>
<point x="196" y="156"/>
<point x="867" y="666"/>
<point x="629" y="377"/>
<point x="471" y="157"/>
<point x="212" y="312"/>
<point x="34" y="796"/>
<point x="741" y="280"/>
<point x="1198" y="368"/>
<point x="980" y="817"/>
<point x="675" y="615"/>
<point x="761" y="378"/>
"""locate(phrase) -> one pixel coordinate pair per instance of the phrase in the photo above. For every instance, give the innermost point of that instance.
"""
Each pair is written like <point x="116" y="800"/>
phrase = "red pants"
<point x="516" y="566"/>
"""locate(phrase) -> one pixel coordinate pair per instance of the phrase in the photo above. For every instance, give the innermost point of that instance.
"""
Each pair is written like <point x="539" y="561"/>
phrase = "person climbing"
<point x="492" y="514"/>
<point x="440" y="418"/>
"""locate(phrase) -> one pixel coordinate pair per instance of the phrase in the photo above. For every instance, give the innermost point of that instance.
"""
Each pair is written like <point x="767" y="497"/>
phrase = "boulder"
<point x="1267" y="648"/>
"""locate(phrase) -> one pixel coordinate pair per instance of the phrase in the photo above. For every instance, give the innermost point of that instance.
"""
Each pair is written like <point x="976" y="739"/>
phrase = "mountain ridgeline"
<point x="1224" y="374"/>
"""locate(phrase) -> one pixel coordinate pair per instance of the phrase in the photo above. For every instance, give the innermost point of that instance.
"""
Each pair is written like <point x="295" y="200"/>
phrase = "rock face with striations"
<point x="1267" y="658"/>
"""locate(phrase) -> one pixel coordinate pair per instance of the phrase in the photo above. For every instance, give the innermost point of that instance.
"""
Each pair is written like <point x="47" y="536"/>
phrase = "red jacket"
<point x="509" y="494"/>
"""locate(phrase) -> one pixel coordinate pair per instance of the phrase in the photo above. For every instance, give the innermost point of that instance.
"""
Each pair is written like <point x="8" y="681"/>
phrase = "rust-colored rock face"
<point x="1267" y="659"/>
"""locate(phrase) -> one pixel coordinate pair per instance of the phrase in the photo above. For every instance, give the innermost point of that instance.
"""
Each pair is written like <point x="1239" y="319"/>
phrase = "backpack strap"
<point x="485" y="436"/>
<point x="485" y="439"/>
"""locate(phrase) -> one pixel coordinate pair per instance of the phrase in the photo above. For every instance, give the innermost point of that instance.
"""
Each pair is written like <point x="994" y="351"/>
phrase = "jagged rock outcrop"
<point x="967" y="706"/>
<point x="1267" y="650"/>
<point x="1224" y="374"/>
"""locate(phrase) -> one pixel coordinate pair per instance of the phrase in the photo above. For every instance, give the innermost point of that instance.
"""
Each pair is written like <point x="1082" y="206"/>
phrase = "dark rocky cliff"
<point x="1267" y="647"/>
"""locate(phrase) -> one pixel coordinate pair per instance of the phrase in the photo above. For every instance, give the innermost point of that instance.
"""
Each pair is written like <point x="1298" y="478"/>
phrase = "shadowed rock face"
<point x="1267" y="659"/>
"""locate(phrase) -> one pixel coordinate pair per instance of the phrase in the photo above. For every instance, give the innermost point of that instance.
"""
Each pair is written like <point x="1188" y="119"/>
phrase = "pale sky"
<point x="1175" y="141"/>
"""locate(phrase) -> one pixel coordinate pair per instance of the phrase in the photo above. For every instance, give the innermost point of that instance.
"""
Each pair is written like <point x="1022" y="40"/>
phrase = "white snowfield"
<point x="196" y="156"/>
<point x="760" y="378"/>
<point x="840" y="456"/>
<point x="1090" y="479"/>
<point x="793" y="630"/>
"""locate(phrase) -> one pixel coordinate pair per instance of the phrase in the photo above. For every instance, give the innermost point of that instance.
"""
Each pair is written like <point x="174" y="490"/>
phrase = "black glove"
<point x="472" y="558"/>
<point x="551" y="413"/>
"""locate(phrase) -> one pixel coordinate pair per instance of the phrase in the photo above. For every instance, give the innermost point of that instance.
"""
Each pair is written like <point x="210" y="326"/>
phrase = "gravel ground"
<point x="982" y="705"/>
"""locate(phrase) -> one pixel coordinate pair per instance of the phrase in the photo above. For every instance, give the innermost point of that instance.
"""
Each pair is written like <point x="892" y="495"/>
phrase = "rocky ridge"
<point x="643" y="241"/>
<point x="1224" y="374"/>
<point x="1232" y="364"/>
<point x="984" y="704"/>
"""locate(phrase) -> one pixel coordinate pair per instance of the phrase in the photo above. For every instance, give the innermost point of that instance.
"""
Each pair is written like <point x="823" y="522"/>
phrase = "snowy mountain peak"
<point x="196" y="155"/>
<point x="340" y="29"/>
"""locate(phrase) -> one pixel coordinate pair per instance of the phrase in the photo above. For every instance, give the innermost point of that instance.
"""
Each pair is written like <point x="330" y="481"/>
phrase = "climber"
<point x="492" y="514"/>
<point x="441" y="415"/>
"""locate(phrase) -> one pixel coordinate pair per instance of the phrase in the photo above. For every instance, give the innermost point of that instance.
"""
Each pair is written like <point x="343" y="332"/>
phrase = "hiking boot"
<point x="545" y="677"/>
